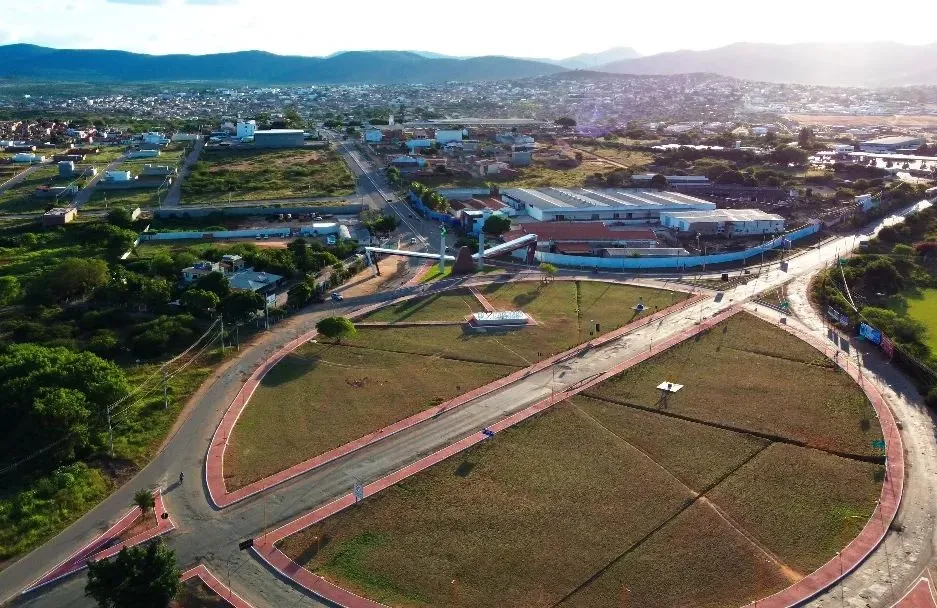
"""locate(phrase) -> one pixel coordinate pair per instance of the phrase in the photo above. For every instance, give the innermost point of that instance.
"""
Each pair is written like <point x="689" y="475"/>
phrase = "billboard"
<point x="870" y="333"/>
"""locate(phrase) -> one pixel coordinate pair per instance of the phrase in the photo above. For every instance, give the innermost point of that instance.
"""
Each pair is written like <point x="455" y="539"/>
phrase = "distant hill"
<point x="31" y="61"/>
<point x="875" y="64"/>
<point x="588" y="61"/>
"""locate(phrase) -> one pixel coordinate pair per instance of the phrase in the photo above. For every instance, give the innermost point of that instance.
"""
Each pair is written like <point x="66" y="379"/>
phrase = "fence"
<point x="676" y="263"/>
<point x="183" y="212"/>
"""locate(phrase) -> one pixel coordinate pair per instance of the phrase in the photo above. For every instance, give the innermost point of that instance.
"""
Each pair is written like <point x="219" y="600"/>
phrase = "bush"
<point x="931" y="398"/>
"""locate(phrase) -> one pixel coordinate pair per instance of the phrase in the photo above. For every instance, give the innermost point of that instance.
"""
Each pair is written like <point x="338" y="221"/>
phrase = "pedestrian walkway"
<point x="920" y="595"/>
<point x="211" y="581"/>
<point x="482" y="300"/>
<point x="103" y="546"/>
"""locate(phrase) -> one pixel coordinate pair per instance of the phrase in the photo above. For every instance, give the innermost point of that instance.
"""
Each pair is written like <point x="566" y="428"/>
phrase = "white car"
<point x="413" y="241"/>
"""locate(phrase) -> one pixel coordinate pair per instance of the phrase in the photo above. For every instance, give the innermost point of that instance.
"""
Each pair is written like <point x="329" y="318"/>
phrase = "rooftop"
<point x="278" y="132"/>
<point x="726" y="215"/>
<point x="606" y="199"/>
<point x="56" y="211"/>
<point x="252" y="280"/>
<point x="892" y="140"/>
<point x="580" y="231"/>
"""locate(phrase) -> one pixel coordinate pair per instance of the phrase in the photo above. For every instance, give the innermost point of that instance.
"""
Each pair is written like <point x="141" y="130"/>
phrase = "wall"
<point x="677" y="263"/>
<point x="203" y="211"/>
<point x="429" y="213"/>
<point x="221" y="234"/>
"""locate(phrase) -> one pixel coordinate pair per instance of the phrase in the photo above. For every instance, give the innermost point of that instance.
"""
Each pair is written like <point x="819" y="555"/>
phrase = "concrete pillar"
<point x="442" y="252"/>
<point x="481" y="250"/>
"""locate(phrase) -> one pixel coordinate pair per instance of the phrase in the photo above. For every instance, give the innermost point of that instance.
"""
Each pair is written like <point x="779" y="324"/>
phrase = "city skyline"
<point x="289" y="28"/>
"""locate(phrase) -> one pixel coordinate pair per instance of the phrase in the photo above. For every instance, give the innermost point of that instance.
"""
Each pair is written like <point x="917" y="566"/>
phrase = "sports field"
<point x="602" y="502"/>
<point x="325" y="395"/>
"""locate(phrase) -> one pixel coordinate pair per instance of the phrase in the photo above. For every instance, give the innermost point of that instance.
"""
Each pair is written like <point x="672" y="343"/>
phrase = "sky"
<point x="521" y="28"/>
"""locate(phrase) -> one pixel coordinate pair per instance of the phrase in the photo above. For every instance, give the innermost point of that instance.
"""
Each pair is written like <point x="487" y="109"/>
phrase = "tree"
<point x="379" y="224"/>
<point x="659" y="182"/>
<point x="140" y="577"/>
<point x="336" y="328"/>
<point x="787" y="155"/>
<point x="52" y="394"/>
<point x="496" y="224"/>
<point x="200" y="303"/>
<point x="120" y="217"/>
<point x="73" y="278"/>
<point x="566" y="122"/>
<point x="241" y="305"/>
<point x="144" y="499"/>
<point x="549" y="271"/>
<point x="805" y="139"/>
<point x="216" y="283"/>
<point x="299" y="295"/>
<point x="9" y="290"/>
<point x="618" y="178"/>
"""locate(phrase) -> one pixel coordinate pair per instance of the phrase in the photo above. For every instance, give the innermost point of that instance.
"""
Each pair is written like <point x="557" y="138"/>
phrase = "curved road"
<point x="204" y="535"/>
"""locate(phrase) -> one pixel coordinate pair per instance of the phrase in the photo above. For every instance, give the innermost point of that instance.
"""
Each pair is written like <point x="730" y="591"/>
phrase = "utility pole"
<point x="165" y="390"/>
<point x="222" y="334"/>
<point x="110" y="430"/>
<point x="442" y="250"/>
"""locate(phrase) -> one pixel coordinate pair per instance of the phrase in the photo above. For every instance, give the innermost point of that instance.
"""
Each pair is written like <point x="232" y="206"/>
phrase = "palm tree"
<point x="144" y="499"/>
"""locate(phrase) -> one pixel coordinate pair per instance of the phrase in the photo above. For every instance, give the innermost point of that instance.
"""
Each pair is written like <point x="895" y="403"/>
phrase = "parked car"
<point x="337" y="297"/>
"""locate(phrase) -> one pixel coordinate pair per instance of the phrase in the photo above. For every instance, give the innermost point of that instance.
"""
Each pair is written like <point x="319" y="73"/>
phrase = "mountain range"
<point x="866" y="65"/>
<point x="872" y="64"/>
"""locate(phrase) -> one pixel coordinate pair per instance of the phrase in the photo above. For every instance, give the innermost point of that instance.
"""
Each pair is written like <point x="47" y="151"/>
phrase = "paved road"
<point x="175" y="190"/>
<point x="85" y="193"/>
<point x="210" y="537"/>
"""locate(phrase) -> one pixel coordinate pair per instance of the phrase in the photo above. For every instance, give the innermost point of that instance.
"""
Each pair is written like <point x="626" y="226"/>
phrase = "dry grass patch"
<point x="324" y="395"/>
<point x="825" y="499"/>
<point x="196" y="594"/>
<point x="819" y="406"/>
<point x="695" y="560"/>
<point x="448" y="306"/>
<point x="698" y="455"/>
<point x="519" y="519"/>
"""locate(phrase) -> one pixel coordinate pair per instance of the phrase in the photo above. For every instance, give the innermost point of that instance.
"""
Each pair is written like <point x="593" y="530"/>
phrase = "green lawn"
<point x="448" y="306"/>
<point x="266" y="174"/>
<point x="922" y="307"/>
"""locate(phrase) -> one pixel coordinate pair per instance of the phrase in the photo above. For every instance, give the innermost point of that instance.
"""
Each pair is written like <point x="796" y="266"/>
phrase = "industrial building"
<point x="446" y="136"/>
<point x="279" y="138"/>
<point x="595" y="204"/>
<point x="728" y="222"/>
<point x="891" y="144"/>
<point x="644" y="179"/>
<point x="577" y="238"/>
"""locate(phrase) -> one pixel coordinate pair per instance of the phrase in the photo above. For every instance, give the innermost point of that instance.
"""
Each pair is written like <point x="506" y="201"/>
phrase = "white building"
<point x="155" y="138"/>
<point x="143" y="154"/>
<point x="843" y="148"/>
<point x="729" y="222"/>
<point x="890" y="144"/>
<point x="27" y="157"/>
<point x="631" y="206"/>
<point x="444" y="137"/>
<point x="373" y="136"/>
<point x="246" y="128"/>
<point x="117" y="176"/>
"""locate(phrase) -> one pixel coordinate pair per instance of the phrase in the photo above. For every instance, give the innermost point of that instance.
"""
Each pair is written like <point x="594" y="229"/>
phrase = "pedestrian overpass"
<point x="528" y="240"/>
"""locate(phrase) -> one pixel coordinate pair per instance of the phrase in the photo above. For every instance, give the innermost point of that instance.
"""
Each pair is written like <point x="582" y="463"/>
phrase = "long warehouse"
<point x="627" y="206"/>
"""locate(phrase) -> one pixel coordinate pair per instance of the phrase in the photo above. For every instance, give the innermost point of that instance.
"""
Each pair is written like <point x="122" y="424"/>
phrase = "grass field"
<point x="634" y="160"/>
<point x="595" y="503"/>
<point x="537" y="175"/>
<point x="450" y="306"/>
<point x="126" y="199"/>
<point x="294" y="415"/>
<point x="922" y="307"/>
<point x="266" y="174"/>
<point x="818" y="405"/>
<point x="19" y="198"/>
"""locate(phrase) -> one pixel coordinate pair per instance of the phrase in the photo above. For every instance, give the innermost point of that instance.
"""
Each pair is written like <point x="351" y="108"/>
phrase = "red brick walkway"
<point x="211" y="581"/>
<point x="214" y="462"/>
<point x="482" y="300"/>
<point x="920" y="595"/>
<point x="101" y="547"/>
<point x="265" y="545"/>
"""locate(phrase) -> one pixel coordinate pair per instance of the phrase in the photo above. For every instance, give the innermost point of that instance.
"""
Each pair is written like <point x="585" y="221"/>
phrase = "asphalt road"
<point x="174" y="195"/>
<point x="84" y="195"/>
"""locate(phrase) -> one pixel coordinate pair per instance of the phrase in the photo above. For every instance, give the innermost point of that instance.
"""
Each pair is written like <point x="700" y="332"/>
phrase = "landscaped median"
<point x="315" y="402"/>
<point x="604" y="499"/>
